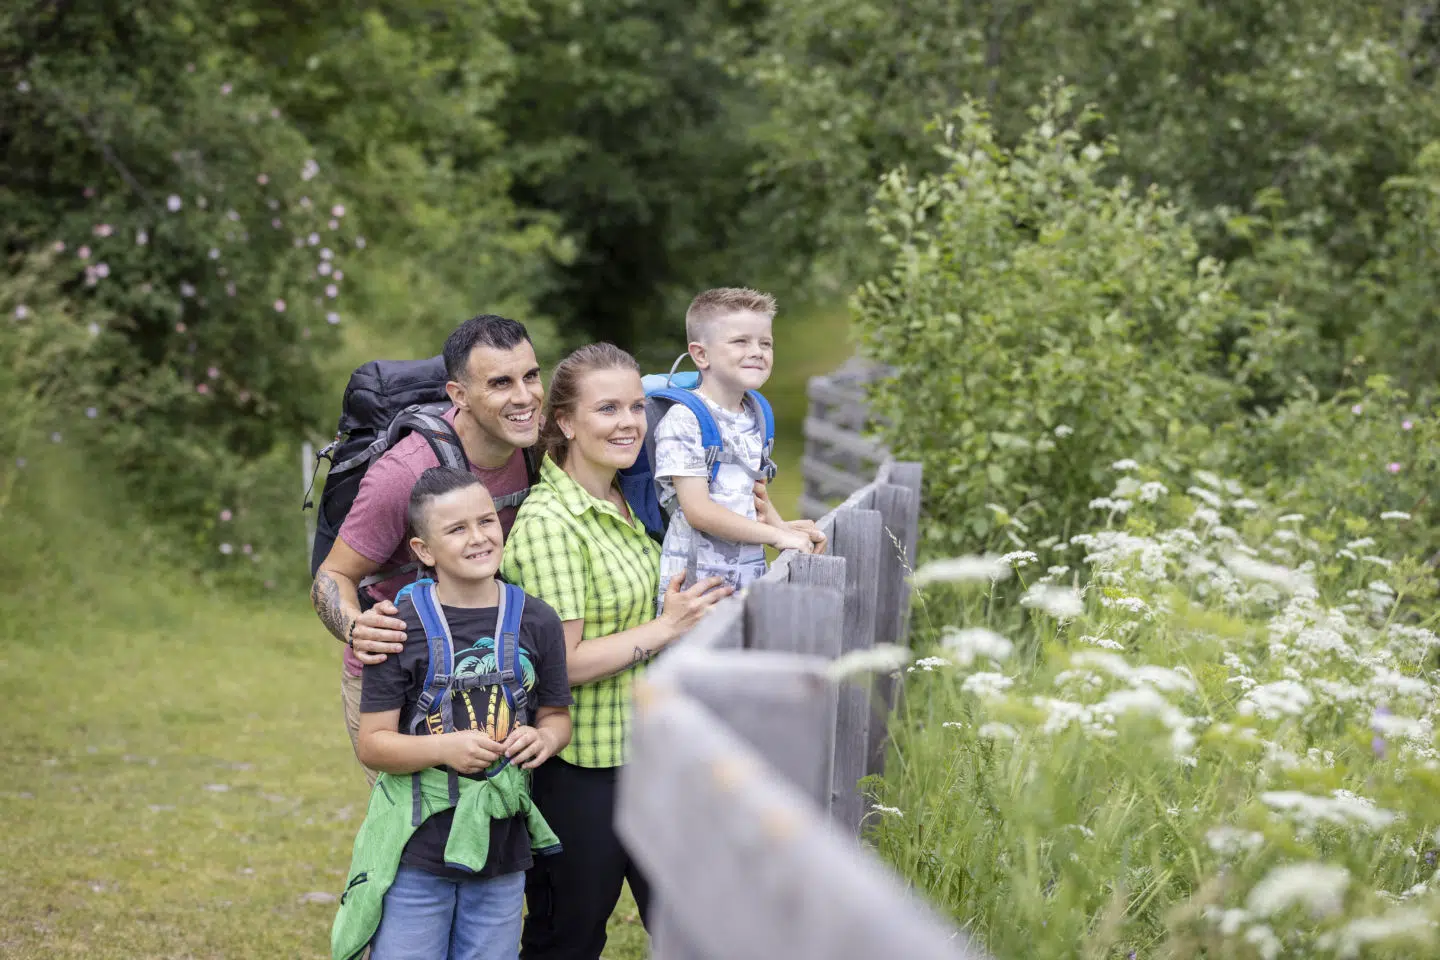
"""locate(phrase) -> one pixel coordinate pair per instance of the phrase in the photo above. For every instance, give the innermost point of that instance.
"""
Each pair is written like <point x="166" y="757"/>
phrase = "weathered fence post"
<point x="857" y="536"/>
<point x="753" y="871"/>
<point x="897" y="498"/>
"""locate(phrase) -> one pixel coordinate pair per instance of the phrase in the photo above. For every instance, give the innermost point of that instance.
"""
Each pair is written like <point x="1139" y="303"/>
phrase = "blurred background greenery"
<point x="1214" y="242"/>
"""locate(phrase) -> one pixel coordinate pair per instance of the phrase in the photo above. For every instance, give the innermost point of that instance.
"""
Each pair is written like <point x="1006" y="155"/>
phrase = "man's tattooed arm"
<point x="325" y="597"/>
<point x="641" y="655"/>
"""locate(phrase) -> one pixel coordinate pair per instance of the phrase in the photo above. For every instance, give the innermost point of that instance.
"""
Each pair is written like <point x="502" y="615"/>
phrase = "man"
<point x="496" y="394"/>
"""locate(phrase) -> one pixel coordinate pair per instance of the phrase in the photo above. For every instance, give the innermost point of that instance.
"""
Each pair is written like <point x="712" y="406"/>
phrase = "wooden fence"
<point x="740" y="799"/>
<point x="839" y="454"/>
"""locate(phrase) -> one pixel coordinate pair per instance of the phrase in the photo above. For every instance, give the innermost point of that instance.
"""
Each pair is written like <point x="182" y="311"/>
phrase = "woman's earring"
<point x="567" y="435"/>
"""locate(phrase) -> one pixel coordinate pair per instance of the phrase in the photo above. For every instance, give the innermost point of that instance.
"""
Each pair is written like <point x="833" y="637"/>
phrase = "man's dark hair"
<point x="435" y="482"/>
<point x="486" y="330"/>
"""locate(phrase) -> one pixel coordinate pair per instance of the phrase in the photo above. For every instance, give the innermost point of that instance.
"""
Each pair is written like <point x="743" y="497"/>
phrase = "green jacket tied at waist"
<point x="396" y="810"/>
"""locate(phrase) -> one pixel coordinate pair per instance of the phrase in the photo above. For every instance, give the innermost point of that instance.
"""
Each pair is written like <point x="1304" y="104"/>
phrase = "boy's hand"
<point x="469" y="751"/>
<point x="808" y="527"/>
<point x="788" y="538"/>
<point x="528" y="747"/>
<point x="762" y="498"/>
<point x="377" y="632"/>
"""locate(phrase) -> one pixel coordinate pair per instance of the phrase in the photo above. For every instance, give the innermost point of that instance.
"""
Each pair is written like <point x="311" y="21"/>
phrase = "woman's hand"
<point x="684" y="608"/>
<point x="469" y="751"/>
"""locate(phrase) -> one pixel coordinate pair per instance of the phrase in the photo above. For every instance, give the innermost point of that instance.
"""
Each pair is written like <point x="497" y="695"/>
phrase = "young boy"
<point x="716" y="531"/>
<point x="450" y="818"/>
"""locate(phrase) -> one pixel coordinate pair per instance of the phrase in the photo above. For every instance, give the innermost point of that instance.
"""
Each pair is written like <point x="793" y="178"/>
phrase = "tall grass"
<point x="1205" y="730"/>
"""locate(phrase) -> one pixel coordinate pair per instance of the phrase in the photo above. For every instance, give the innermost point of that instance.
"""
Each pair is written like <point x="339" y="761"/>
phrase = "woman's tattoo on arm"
<point x="325" y="597"/>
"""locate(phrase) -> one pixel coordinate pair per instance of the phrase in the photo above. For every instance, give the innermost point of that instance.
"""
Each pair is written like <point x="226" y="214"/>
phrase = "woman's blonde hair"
<point x="565" y="390"/>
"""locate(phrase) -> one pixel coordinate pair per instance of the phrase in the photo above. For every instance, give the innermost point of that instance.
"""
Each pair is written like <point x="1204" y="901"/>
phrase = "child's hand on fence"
<point x="529" y="747"/>
<point x="808" y="527"/>
<point x="684" y="608"/>
<point x="788" y="538"/>
<point x="469" y="751"/>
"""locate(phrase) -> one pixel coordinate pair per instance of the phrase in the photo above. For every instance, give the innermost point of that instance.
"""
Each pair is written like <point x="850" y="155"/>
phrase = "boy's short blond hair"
<point x="713" y="304"/>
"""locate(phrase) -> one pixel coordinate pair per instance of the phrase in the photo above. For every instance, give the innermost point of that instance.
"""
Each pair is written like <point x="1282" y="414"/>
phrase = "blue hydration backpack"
<point x="663" y="391"/>
<point x="441" y="684"/>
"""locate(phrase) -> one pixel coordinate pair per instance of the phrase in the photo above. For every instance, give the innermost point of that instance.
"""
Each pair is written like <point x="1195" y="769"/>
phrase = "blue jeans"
<point x="430" y="918"/>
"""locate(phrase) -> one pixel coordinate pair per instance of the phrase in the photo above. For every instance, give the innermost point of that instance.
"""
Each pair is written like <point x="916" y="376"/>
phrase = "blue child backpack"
<point x="663" y="391"/>
<point x="441" y="684"/>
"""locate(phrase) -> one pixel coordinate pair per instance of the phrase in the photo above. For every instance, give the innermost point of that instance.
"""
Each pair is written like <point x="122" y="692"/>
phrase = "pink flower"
<point x="58" y="246"/>
<point x="275" y="222"/>
<point x="91" y="412"/>
<point x="246" y="549"/>
<point x="89" y="192"/>
<point x="243" y="396"/>
<point x="338" y="210"/>
<point x="339" y="275"/>
<point x="313" y="239"/>
<point x="213" y="372"/>
<point x="326" y="253"/>
<point x="102" y="270"/>
<point x="21" y="312"/>
<point x="90" y="278"/>
<point x="225" y="90"/>
<point x="189" y="68"/>
<point x="1357" y="409"/>
<point x="279" y="306"/>
<point x="103" y="230"/>
<point x="187" y="290"/>
<point x="202" y="388"/>
<point x="334" y="224"/>
<point x="233" y="214"/>
<point x="332" y="318"/>
<point x="83" y="253"/>
<point x="173" y="203"/>
<point x="1406" y="425"/>
<point x="214" y="253"/>
<point x="230" y="289"/>
<point x="225" y="516"/>
<point x="180" y="327"/>
<point x="332" y="291"/>
<point x="1393" y="467"/>
<point x="275" y="113"/>
<point x="226" y="549"/>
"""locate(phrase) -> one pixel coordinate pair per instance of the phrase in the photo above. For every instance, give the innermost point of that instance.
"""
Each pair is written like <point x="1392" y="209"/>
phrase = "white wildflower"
<point x="1064" y="430"/>
<point x="1394" y="515"/>
<point x="984" y="569"/>
<point x="928" y="664"/>
<point x="1343" y="808"/>
<point x="1152" y="491"/>
<point x="995" y="730"/>
<point x="1361" y="544"/>
<point x="1231" y="841"/>
<point x="889" y="811"/>
<point x="1105" y="643"/>
<point x="1291" y="518"/>
<point x="1109" y="503"/>
<point x="969" y="644"/>
<point x="1274" y="700"/>
<point x="1020" y="558"/>
<point x="1319" y="887"/>
<point x="1132" y="604"/>
<point x="987" y="684"/>
<point x="1408" y="923"/>
<point x="1252" y="569"/>
<point x="1211" y="500"/>
<point x="881" y="658"/>
<point x="1378" y="561"/>
<point x="1126" y="464"/>
<point x="1062" y="603"/>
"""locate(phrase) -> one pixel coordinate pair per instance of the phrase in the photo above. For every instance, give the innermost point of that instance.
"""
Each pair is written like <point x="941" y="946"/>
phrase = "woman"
<point x="577" y="546"/>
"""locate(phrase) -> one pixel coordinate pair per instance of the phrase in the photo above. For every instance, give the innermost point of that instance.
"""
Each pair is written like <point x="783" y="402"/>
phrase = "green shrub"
<point x="1040" y="323"/>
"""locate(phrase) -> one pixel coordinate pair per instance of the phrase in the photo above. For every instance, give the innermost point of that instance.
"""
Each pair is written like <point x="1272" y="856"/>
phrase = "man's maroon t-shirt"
<point x="375" y="525"/>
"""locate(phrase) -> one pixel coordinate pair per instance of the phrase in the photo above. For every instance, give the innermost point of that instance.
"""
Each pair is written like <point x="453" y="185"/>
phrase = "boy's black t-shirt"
<point x="399" y="680"/>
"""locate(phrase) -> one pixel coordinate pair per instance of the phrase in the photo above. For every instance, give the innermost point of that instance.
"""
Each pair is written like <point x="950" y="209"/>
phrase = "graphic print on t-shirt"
<point x="482" y="708"/>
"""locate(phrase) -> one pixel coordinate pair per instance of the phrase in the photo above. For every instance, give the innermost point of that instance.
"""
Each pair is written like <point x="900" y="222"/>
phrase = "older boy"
<point x="438" y="871"/>
<point x="716" y="531"/>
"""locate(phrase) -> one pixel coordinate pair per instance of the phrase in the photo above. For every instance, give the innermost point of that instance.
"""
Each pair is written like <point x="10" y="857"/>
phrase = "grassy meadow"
<point x="180" y="783"/>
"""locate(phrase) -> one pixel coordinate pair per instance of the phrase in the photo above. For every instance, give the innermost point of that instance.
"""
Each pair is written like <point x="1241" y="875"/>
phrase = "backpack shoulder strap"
<point x="710" y="437"/>
<point x="441" y="667"/>
<point x="766" y="416"/>
<point x="532" y="476"/>
<point x="429" y="421"/>
<point x="507" y="658"/>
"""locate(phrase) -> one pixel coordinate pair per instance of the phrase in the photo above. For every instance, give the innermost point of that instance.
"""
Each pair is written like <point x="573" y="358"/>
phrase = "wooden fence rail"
<point x="741" y="797"/>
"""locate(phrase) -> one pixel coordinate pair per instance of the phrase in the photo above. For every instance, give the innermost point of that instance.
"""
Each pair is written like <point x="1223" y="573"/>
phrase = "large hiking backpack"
<point x="441" y="684"/>
<point x="384" y="401"/>
<point x="663" y="391"/>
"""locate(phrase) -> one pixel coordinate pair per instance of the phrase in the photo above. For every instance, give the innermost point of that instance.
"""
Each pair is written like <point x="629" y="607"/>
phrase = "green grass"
<point x="179" y="775"/>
